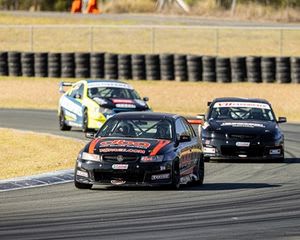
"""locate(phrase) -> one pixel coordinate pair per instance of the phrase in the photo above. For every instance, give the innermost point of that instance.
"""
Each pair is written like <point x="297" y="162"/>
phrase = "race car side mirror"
<point x="184" y="138"/>
<point x="208" y="103"/>
<point x="282" y="120"/>
<point x="146" y="99"/>
<point x="90" y="135"/>
<point x="78" y="96"/>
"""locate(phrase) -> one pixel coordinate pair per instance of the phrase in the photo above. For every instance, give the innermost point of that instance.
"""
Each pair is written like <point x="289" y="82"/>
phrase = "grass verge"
<point x="186" y="98"/>
<point x="25" y="153"/>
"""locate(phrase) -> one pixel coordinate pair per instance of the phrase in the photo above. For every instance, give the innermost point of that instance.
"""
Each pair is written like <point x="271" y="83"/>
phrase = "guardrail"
<point x="202" y="40"/>
<point x="179" y="67"/>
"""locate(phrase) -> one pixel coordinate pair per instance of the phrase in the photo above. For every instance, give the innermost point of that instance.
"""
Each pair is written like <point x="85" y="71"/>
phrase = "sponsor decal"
<point x="82" y="173"/>
<point x="249" y="125"/>
<point x="209" y="150"/>
<point x="126" y="150"/>
<point x="109" y="84"/>
<point x="159" y="146"/>
<point x="122" y="101"/>
<point x="120" y="166"/>
<point x="71" y="106"/>
<point x="117" y="182"/>
<point x="93" y="144"/>
<point x="160" y="176"/>
<point x="125" y="143"/>
<point x="100" y="101"/>
<point x="242" y="144"/>
<point x="242" y="104"/>
<point x="125" y="105"/>
<point x="275" y="151"/>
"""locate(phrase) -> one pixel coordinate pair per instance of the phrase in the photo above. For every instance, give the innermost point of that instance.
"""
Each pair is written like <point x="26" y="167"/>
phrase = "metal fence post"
<point x="91" y="39"/>
<point x="153" y="39"/>
<point x="217" y="41"/>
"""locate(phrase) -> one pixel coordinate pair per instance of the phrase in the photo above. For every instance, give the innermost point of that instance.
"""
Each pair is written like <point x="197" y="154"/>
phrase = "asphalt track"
<point x="239" y="200"/>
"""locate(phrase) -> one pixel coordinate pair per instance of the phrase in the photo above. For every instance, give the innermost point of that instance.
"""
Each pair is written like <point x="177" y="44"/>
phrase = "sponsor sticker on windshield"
<point x="242" y="104"/>
<point x="109" y="84"/>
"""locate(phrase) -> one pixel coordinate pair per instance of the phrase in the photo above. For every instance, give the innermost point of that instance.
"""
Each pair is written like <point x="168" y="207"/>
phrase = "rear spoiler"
<point x="64" y="84"/>
<point x="199" y="120"/>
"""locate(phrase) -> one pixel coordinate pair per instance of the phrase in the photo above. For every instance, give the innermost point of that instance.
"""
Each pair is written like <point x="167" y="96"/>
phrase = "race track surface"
<point x="239" y="200"/>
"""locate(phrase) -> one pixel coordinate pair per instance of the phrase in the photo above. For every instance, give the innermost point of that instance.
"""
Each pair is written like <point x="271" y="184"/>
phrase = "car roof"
<point x="141" y="115"/>
<point x="239" y="99"/>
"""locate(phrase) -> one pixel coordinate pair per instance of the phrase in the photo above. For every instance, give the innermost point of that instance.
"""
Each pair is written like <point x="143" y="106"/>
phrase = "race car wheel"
<point x="200" y="173"/>
<point x="85" y="123"/>
<point x="175" y="185"/>
<point x="62" y="124"/>
<point x="82" y="185"/>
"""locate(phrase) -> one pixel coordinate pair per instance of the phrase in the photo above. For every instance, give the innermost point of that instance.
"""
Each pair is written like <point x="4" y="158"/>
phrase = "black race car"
<point x="141" y="149"/>
<point x="239" y="128"/>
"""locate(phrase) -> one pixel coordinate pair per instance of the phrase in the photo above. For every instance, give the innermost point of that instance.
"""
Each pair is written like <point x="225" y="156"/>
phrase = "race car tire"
<point x="175" y="185"/>
<point x="85" y="123"/>
<point x="200" y="173"/>
<point x="62" y="124"/>
<point x="82" y="185"/>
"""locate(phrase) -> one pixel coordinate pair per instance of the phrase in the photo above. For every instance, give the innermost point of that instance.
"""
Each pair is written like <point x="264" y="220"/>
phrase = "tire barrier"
<point x="41" y="64"/>
<point x="152" y="67"/>
<point x="14" y="64"/>
<point x="110" y="66"/>
<point x="283" y="70"/>
<point x="223" y="70"/>
<point x="194" y="68"/>
<point x="97" y="65"/>
<point x="295" y="69"/>
<point x="3" y="64"/>
<point x="268" y="69"/>
<point x="27" y="64"/>
<point x="82" y="65"/>
<point x="68" y="65"/>
<point x="138" y="67"/>
<point x="54" y="65"/>
<point x="209" y="69"/>
<point x="166" y="66"/>
<point x="253" y="69"/>
<point x="238" y="69"/>
<point x="124" y="66"/>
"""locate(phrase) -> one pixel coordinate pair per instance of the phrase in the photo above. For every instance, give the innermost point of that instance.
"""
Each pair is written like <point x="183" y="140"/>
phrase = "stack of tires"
<point x="295" y="69"/>
<point x="3" y="64"/>
<point x="27" y="64"/>
<point x="283" y="70"/>
<point x="82" y="65"/>
<point x="167" y="66"/>
<point x="238" y="69"/>
<point x="268" y="72"/>
<point x="209" y="69"/>
<point x="152" y="67"/>
<point x="180" y="67"/>
<point x="138" y="67"/>
<point x="124" y="66"/>
<point x="97" y="65"/>
<point x="41" y="64"/>
<point x="194" y="68"/>
<point x="54" y="65"/>
<point x="68" y="65"/>
<point x="14" y="63"/>
<point x="223" y="70"/>
<point x="111" y="66"/>
<point x="253" y="69"/>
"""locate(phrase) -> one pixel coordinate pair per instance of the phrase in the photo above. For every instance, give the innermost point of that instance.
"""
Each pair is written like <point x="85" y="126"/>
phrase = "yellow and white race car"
<point x="89" y="103"/>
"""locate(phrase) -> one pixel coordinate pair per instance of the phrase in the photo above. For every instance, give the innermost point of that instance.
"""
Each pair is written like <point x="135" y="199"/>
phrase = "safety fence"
<point x="179" y="67"/>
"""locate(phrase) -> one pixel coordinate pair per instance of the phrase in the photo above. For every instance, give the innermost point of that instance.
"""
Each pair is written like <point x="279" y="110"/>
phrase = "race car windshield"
<point x="112" y="92"/>
<point x="242" y="112"/>
<point x="137" y="128"/>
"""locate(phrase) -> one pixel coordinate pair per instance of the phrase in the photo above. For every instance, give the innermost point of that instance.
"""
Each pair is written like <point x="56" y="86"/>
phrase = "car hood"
<point x="128" y="146"/>
<point x="241" y="127"/>
<point x="133" y="104"/>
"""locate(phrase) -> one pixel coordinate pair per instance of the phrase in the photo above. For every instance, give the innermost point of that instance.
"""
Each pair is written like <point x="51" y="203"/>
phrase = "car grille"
<point x="114" y="158"/>
<point x="242" y="136"/>
<point x="236" y="151"/>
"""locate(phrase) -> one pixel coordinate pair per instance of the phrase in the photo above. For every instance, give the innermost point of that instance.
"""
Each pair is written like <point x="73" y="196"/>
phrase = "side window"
<point x="180" y="128"/>
<point x="189" y="128"/>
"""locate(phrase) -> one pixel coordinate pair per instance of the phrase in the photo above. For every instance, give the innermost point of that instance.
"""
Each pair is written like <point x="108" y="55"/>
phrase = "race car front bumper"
<point x="125" y="174"/>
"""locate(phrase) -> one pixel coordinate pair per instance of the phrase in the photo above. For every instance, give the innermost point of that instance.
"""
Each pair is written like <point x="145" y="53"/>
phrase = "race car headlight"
<point x="106" y="110"/>
<point x="157" y="158"/>
<point x="90" y="157"/>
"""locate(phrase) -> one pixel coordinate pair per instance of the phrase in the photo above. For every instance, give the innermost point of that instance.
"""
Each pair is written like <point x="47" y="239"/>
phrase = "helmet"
<point x="163" y="130"/>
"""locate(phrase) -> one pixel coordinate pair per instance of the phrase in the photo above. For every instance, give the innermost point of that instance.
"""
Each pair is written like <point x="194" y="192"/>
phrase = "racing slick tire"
<point x="62" y="124"/>
<point x="175" y="185"/>
<point x="82" y="185"/>
<point x="85" y="122"/>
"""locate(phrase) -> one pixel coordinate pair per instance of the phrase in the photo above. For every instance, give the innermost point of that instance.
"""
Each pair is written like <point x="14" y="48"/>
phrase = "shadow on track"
<point x="292" y="160"/>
